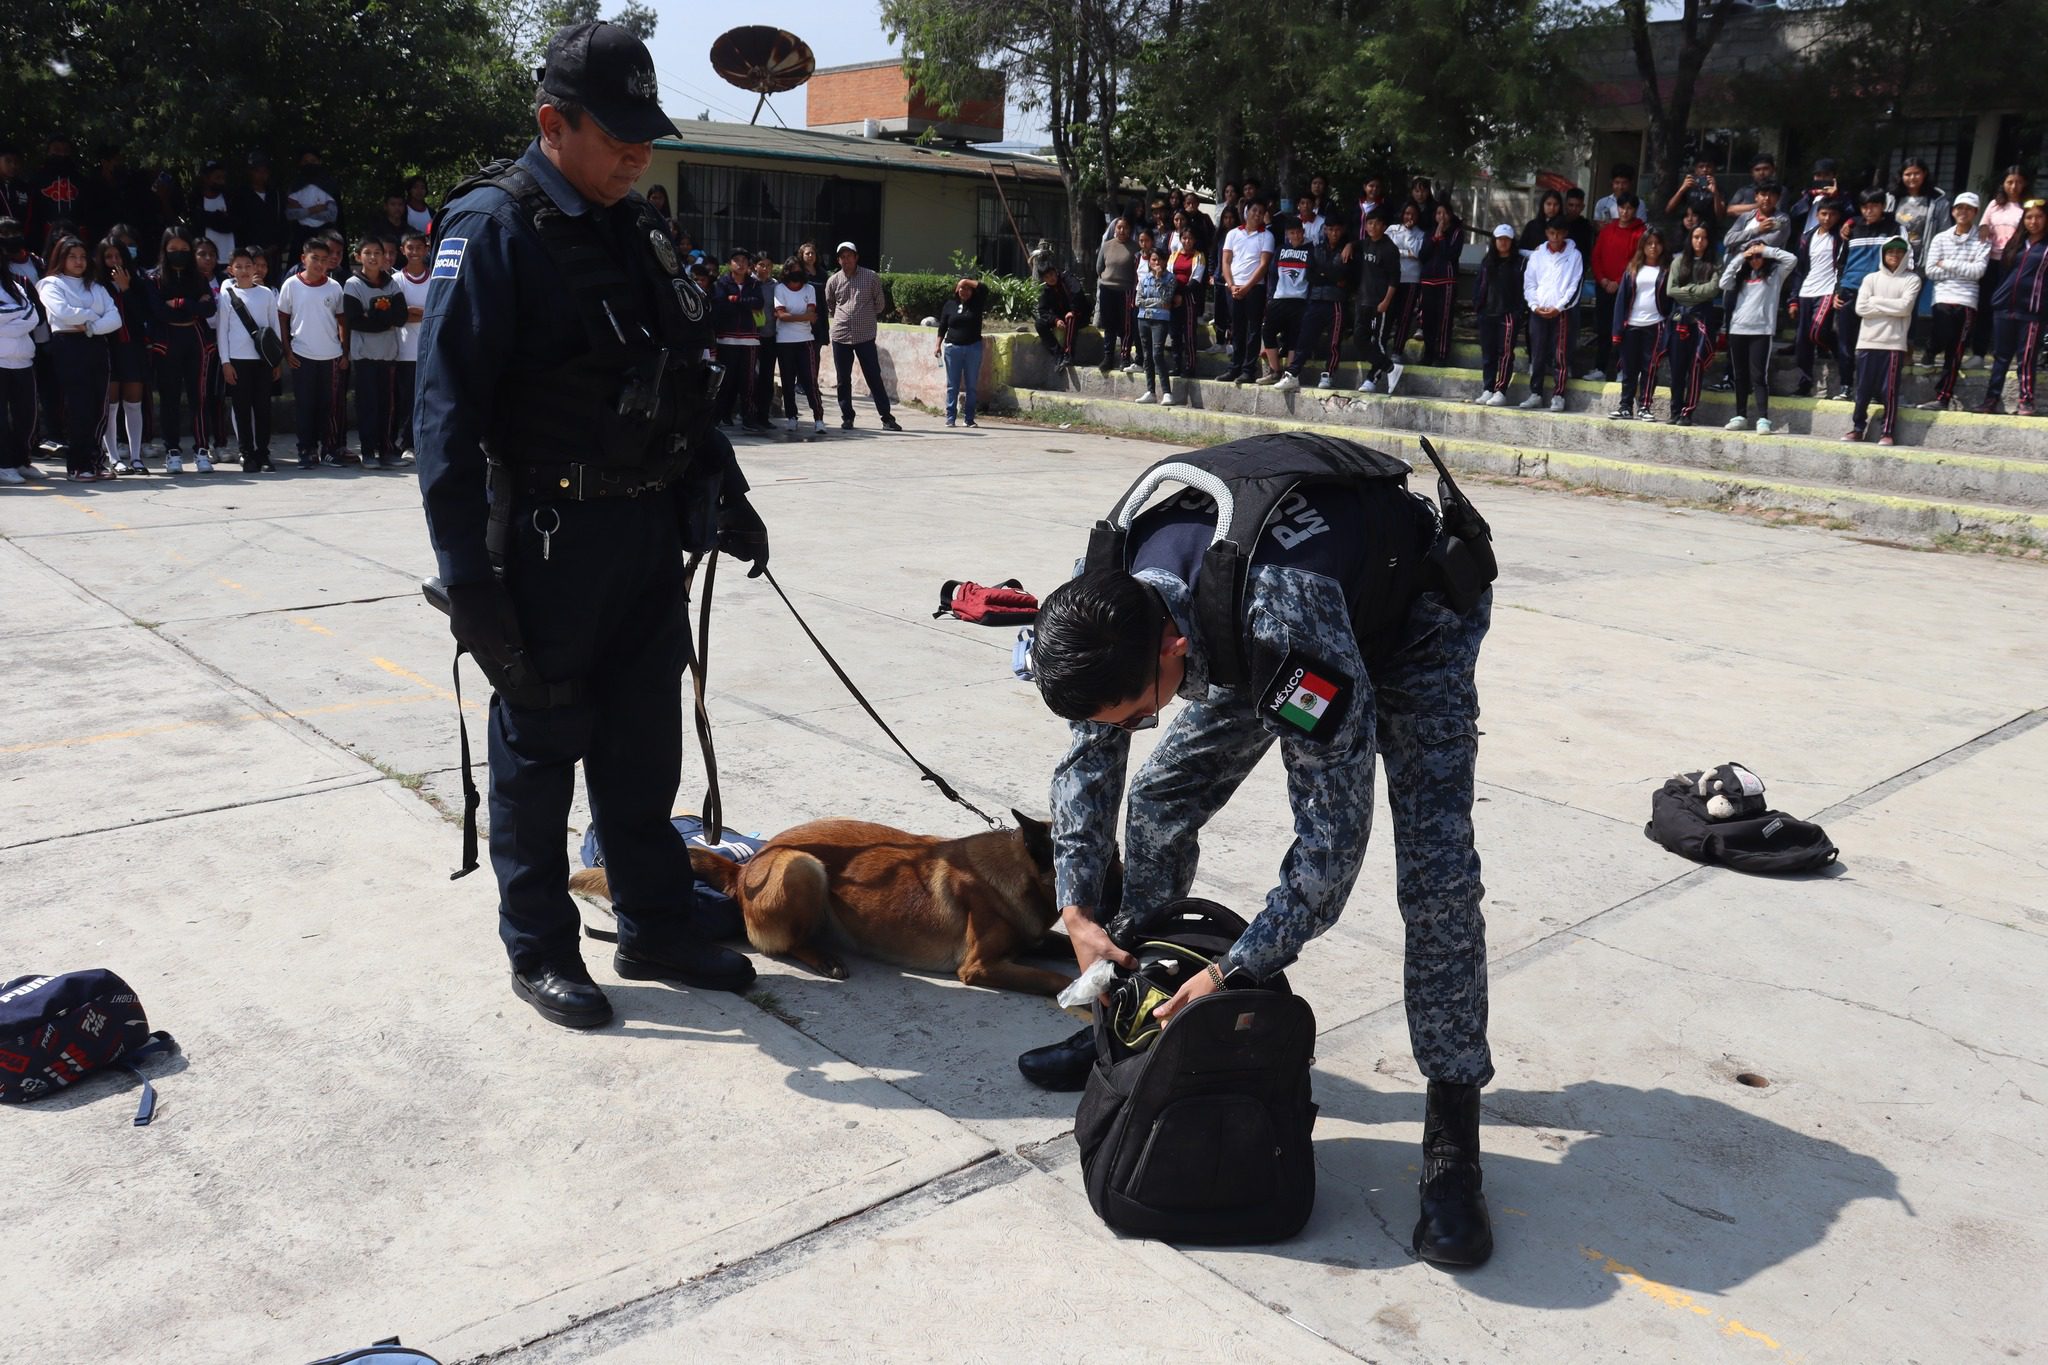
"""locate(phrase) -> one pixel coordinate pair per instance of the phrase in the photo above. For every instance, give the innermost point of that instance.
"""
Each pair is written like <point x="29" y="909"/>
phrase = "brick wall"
<point x="836" y="97"/>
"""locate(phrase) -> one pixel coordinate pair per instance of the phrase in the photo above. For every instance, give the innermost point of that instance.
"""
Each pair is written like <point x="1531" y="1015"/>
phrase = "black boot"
<point x="1454" y="1229"/>
<point x="564" y="995"/>
<point x="1062" y="1065"/>
<point x="707" y="966"/>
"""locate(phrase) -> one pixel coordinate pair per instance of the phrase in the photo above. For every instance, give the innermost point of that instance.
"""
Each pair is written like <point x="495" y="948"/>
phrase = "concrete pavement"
<point x="229" y="713"/>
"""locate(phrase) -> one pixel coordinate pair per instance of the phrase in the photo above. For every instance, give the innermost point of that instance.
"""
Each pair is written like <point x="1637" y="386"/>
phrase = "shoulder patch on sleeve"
<point x="448" y="259"/>
<point x="1306" y="698"/>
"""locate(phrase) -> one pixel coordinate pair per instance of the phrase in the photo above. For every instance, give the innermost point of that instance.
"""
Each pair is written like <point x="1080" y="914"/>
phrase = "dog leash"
<point x="946" y="788"/>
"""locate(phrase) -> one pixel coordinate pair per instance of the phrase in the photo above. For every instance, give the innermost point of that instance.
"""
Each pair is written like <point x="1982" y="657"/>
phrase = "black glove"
<point x="481" y="618"/>
<point x="741" y="533"/>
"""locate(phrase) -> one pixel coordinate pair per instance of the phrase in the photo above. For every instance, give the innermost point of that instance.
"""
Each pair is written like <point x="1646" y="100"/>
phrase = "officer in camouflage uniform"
<point x="1112" y="648"/>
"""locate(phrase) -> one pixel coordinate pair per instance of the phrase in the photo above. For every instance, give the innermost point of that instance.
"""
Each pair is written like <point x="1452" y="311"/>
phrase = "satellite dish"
<point x="764" y="60"/>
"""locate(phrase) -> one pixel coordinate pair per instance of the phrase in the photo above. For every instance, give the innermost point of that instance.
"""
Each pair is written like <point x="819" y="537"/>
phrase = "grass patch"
<point x="766" y="1001"/>
<point x="2021" y="547"/>
<point x="144" y="623"/>
<point x="412" y="782"/>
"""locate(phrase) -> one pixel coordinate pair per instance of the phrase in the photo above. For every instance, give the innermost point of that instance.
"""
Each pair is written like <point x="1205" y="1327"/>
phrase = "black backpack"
<point x="1768" y="842"/>
<point x="1203" y="1136"/>
<point x="58" y="1028"/>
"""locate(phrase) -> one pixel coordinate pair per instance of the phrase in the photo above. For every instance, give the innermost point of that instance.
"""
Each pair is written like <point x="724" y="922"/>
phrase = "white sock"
<point x="133" y="412"/>
<point x="110" y="436"/>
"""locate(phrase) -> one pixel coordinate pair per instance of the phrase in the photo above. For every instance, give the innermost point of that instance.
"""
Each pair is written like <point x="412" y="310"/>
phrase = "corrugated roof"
<point x="803" y="144"/>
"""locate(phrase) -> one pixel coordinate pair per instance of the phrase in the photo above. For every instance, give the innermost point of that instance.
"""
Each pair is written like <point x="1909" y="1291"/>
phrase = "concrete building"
<point x="908" y="206"/>
<point x="879" y="99"/>
<point x="1747" y="102"/>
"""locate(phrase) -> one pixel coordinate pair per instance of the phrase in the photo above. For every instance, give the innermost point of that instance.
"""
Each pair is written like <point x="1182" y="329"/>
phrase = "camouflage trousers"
<point x="1425" y="711"/>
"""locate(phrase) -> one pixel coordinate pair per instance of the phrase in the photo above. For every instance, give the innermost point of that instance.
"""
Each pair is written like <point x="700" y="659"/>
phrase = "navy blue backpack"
<point x="56" y="1029"/>
<point x="718" y="914"/>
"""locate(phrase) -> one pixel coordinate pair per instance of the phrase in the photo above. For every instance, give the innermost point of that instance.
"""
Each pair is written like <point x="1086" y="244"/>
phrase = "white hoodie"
<point x="1552" y="277"/>
<point x="78" y="305"/>
<point x="19" y="319"/>
<point x="1885" y="302"/>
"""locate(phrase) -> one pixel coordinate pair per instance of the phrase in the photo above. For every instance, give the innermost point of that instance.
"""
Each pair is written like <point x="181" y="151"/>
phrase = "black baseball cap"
<point x="608" y="71"/>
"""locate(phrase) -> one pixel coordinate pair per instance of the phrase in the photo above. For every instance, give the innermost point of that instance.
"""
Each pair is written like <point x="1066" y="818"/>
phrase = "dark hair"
<point x="412" y="237"/>
<point x="570" y="110"/>
<point x="1096" y="643"/>
<point x="60" y="247"/>
<point x="1637" y="262"/>
<point x="1763" y="159"/>
<point x="96" y="267"/>
<point x="1999" y="196"/>
<point x="1870" y="196"/>
<point x="241" y="253"/>
<point x="1575" y="193"/>
<point x="1545" y="198"/>
<point x="736" y="253"/>
<point x="1926" y="171"/>
<point x="1625" y="200"/>
<point x="1622" y="168"/>
<point x="1769" y="187"/>
<point x="176" y="232"/>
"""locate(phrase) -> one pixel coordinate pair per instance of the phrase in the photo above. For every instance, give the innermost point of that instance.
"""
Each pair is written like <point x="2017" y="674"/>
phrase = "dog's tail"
<point x="590" y="881"/>
<point x="716" y="871"/>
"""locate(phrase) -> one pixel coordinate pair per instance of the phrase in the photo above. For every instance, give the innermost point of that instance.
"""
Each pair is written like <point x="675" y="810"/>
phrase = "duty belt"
<point x="569" y="481"/>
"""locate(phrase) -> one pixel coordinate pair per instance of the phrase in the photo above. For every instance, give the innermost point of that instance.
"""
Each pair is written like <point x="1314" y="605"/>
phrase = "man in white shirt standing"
<point x="853" y="302"/>
<point x="1550" y="284"/>
<point x="1247" y="257"/>
<point x="1956" y="262"/>
<point x="247" y="310"/>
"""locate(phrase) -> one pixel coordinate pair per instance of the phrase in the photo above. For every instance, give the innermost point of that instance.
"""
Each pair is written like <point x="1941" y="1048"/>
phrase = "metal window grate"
<point x="724" y="207"/>
<point x="1041" y="216"/>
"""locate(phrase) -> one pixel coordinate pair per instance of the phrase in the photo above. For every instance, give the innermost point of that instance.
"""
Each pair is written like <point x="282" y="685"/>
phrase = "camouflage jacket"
<point x="1301" y="619"/>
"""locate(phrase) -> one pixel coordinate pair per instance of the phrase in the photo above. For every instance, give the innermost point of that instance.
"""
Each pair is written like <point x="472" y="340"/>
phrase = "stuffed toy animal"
<point x="1730" y="791"/>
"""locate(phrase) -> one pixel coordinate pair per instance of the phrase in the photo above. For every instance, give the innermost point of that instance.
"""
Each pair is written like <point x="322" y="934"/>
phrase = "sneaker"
<point x="407" y="456"/>
<point x="1227" y="377"/>
<point x="1764" y="427"/>
<point x="1132" y="367"/>
<point x="1327" y="381"/>
<point x="1147" y="397"/>
<point x="970" y="421"/>
<point x="1852" y="435"/>
<point x="2024" y="410"/>
<point x="818" y="427"/>
<point x="1557" y="402"/>
<point x="153" y="448"/>
<point x="1844" y="394"/>
<point x="309" y="461"/>
<point x="789" y="424"/>
<point x="846" y="424"/>
<point x="1367" y="386"/>
<point x="1886" y="441"/>
<point x="1596" y="376"/>
<point x="1736" y="424"/>
<point x="1287" y="383"/>
<point x="1240" y="377"/>
<point x="1498" y="400"/>
<point x="1534" y="400"/>
<point x="1723" y="385"/>
<point x="1165" y="401"/>
<point x="1646" y="413"/>
<point x="1932" y="405"/>
<point x="203" y="463"/>
<point x="1683" y="419"/>
<point x="1484" y="397"/>
<point x="891" y="424"/>
<point x="949" y="421"/>
<point x="1394" y="376"/>
<point x="1803" y="389"/>
<point x="173" y="465"/>
<point x="390" y="462"/>
<point x="1621" y="414"/>
<point x="9" y="474"/>
<point x="1268" y="379"/>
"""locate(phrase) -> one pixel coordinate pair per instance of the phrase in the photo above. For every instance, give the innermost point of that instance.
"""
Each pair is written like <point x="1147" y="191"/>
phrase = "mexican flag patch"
<point x="1306" y="698"/>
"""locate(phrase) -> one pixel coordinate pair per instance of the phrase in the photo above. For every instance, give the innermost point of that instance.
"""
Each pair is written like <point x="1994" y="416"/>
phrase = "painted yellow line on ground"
<point x="316" y="628"/>
<point x="229" y="583"/>
<point x="1673" y="1297"/>
<point x="144" y="731"/>
<point x="75" y="505"/>
<point x="400" y="671"/>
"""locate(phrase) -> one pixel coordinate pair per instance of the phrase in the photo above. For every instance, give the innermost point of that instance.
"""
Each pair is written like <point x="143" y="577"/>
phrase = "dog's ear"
<point x="1037" y="838"/>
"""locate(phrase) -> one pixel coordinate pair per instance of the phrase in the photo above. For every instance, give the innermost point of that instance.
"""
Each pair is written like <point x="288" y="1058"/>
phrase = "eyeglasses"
<point x="1149" y="719"/>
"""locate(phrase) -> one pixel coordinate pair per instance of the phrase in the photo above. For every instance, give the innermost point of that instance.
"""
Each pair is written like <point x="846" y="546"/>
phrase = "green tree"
<point x="392" y="87"/>
<point x="1670" y="79"/>
<point x="1069" y="58"/>
<point x="1345" y="87"/>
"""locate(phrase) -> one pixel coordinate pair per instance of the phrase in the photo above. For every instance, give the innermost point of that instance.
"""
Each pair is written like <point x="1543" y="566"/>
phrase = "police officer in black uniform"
<point x="568" y="466"/>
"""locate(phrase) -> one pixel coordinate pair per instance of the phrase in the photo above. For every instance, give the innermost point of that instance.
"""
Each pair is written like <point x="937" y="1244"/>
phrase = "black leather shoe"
<point x="703" y="965"/>
<point x="570" y="999"/>
<point x="1060" y="1066"/>
<point x="1454" y="1229"/>
<point x="891" y="424"/>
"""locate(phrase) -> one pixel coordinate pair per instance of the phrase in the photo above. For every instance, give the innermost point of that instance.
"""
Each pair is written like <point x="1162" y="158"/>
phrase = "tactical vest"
<point x="1249" y="480"/>
<point x="636" y="381"/>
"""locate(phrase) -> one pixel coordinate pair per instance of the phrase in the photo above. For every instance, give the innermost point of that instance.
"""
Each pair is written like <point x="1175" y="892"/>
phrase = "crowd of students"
<point x="1858" y="278"/>
<point x="117" y="286"/>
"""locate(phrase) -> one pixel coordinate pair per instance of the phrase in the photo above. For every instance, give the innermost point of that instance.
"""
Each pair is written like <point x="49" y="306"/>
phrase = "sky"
<point x="840" y="32"/>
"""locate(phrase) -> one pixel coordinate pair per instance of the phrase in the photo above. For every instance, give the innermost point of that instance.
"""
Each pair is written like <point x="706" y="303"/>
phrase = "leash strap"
<point x="470" y="799"/>
<point x="945" y="787"/>
<point x="713" y="808"/>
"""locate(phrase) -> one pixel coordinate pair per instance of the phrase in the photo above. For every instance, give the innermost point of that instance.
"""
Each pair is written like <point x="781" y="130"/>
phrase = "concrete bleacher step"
<point x="1966" y="432"/>
<point x="1777" y="473"/>
<point x="1914" y="471"/>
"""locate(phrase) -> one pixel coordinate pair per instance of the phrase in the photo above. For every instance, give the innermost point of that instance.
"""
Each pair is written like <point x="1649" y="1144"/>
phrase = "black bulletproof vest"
<point x="620" y="396"/>
<point x="1298" y="500"/>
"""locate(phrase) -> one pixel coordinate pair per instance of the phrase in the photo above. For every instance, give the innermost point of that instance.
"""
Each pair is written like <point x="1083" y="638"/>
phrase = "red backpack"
<point x="1005" y="604"/>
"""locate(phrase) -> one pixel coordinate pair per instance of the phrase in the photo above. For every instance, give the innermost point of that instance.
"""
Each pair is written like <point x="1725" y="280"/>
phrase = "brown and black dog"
<point x="967" y="906"/>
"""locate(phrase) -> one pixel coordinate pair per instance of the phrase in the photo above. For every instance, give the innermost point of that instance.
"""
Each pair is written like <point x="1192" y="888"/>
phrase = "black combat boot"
<point x="1454" y="1229"/>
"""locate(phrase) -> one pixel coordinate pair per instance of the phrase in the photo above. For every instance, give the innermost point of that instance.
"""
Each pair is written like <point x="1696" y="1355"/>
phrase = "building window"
<point x="1944" y="144"/>
<point x="1041" y="217"/>
<point x="726" y="207"/>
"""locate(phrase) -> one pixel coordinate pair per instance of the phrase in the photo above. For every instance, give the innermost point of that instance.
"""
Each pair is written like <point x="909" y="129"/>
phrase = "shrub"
<point x="915" y="296"/>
